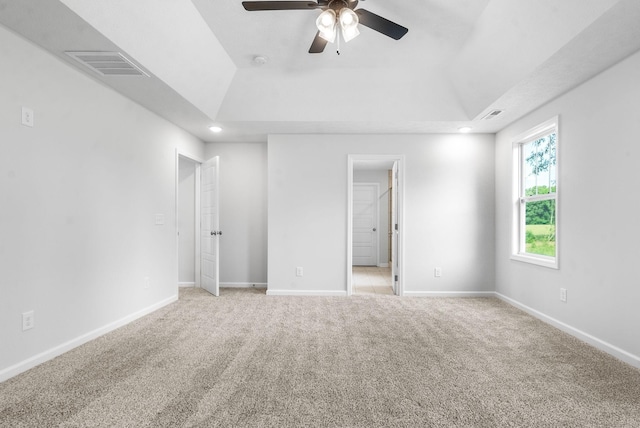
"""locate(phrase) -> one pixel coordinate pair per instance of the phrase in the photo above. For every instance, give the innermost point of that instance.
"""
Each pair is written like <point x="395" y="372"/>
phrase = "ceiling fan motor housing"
<point x="338" y="5"/>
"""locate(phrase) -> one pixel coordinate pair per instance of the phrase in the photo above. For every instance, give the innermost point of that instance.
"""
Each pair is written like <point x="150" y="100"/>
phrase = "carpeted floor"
<point x="249" y="360"/>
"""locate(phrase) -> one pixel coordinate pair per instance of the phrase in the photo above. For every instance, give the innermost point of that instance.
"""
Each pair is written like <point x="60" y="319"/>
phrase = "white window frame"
<point x="518" y="220"/>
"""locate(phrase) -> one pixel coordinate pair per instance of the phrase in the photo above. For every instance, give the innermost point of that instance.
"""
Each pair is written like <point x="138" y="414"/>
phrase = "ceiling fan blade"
<point x="381" y="25"/>
<point x="279" y="5"/>
<point x="318" y="44"/>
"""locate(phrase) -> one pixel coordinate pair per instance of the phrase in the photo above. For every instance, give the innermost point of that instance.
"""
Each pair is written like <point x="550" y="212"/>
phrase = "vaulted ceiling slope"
<point x="460" y="60"/>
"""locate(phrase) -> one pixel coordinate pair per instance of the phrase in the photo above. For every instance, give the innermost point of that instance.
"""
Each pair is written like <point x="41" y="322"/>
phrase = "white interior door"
<point x="394" y="227"/>
<point x="365" y="224"/>
<point x="209" y="227"/>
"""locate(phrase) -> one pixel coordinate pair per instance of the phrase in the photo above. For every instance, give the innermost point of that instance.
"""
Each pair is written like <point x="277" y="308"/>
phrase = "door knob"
<point x="219" y="232"/>
<point x="212" y="233"/>
<point x="374" y="229"/>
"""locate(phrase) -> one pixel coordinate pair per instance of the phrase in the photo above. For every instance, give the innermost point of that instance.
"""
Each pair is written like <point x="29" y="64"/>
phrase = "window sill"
<point x="549" y="262"/>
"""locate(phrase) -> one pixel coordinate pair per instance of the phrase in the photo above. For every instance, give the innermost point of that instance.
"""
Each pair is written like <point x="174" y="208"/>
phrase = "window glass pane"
<point x="539" y="166"/>
<point x="540" y="228"/>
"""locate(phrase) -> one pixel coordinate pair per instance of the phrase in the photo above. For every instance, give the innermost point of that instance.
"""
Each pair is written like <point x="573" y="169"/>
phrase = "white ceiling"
<point x="459" y="60"/>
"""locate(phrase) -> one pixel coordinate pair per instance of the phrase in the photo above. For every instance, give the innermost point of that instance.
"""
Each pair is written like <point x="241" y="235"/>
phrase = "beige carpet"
<point x="249" y="360"/>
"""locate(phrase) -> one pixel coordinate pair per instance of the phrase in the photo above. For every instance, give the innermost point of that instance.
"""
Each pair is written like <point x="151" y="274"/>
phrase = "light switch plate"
<point x="27" y="116"/>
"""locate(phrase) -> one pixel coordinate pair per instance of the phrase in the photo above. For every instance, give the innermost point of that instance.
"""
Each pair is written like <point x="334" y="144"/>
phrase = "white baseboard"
<point x="449" y="294"/>
<point x="383" y="265"/>
<point x="186" y="284"/>
<point x="339" y="293"/>
<point x="610" y="349"/>
<point x="243" y="285"/>
<point x="29" y="363"/>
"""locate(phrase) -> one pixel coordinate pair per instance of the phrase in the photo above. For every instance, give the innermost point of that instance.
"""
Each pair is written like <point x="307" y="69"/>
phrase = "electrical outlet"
<point x="437" y="272"/>
<point x="28" y="321"/>
<point x="147" y="282"/>
<point x="563" y="295"/>
<point x="299" y="271"/>
<point x="27" y="116"/>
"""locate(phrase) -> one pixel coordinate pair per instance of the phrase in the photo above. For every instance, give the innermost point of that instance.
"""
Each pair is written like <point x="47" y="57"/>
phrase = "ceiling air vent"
<point x="108" y="63"/>
<point x="492" y="114"/>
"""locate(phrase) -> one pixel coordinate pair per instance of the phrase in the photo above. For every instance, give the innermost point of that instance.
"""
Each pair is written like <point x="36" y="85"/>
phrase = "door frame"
<point x="377" y="222"/>
<point x="197" y="177"/>
<point x="400" y="162"/>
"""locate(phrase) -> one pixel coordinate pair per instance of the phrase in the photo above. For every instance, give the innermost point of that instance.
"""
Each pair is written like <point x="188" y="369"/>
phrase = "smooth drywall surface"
<point x="510" y="60"/>
<point x="448" y="210"/>
<point x="243" y="212"/>
<point x="186" y="222"/>
<point x="381" y="177"/>
<point x="81" y="192"/>
<point x="264" y="94"/>
<point x="192" y="62"/>
<point x="598" y="228"/>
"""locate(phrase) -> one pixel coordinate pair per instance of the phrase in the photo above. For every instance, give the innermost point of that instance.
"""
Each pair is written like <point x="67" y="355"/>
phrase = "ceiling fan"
<point x="337" y="16"/>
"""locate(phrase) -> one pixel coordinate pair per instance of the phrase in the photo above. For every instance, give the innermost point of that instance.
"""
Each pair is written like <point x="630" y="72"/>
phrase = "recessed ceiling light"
<point x="215" y="128"/>
<point x="465" y="129"/>
<point x="260" y="60"/>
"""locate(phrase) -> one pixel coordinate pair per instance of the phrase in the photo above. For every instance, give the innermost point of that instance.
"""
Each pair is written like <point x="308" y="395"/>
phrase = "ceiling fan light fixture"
<point x="336" y="16"/>
<point x="329" y="36"/>
<point x="350" y="33"/>
<point x="326" y="24"/>
<point x="348" y="17"/>
<point x="349" y="24"/>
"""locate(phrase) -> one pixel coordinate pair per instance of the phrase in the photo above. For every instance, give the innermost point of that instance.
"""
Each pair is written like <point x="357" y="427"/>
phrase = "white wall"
<point x="598" y="226"/>
<point x="382" y="178"/>
<point x="79" y="195"/>
<point x="424" y="92"/>
<point x="186" y="221"/>
<point x="449" y="210"/>
<point x="243" y="212"/>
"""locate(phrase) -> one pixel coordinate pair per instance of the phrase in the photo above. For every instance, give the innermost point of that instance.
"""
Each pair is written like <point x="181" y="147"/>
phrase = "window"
<point x="536" y="195"/>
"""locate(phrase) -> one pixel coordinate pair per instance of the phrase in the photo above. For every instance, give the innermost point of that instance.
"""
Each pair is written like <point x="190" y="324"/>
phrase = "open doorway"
<point x="197" y="223"/>
<point x="371" y="257"/>
<point x="187" y="220"/>
<point x="375" y="234"/>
